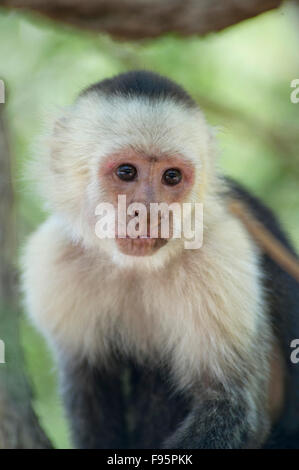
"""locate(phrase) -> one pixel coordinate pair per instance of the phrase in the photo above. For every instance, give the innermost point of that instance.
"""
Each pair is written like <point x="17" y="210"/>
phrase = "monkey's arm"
<point x="222" y="419"/>
<point x="94" y="403"/>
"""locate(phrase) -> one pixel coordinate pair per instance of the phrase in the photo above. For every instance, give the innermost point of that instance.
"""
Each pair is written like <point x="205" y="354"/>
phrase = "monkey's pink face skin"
<point x="145" y="179"/>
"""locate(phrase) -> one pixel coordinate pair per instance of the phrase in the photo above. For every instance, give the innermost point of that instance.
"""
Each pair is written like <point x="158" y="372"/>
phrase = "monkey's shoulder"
<point x="49" y="248"/>
<point x="52" y="247"/>
<point x="57" y="277"/>
<point x="62" y="289"/>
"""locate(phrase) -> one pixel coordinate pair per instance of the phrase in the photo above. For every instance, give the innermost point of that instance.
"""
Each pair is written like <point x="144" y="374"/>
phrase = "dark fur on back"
<point x="142" y="83"/>
<point x="283" y="301"/>
<point x="125" y="407"/>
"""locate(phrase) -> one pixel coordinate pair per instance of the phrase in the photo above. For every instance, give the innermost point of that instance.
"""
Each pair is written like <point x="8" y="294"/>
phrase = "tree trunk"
<point x="19" y="427"/>
<point x="137" y="19"/>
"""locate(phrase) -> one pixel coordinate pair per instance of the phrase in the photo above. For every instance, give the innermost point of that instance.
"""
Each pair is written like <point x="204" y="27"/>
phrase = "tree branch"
<point x="137" y="19"/>
<point x="273" y="247"/>
<point x="19" y="427"/>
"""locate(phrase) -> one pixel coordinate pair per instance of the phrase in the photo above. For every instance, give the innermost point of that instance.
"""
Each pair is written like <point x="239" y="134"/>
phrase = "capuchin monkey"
<point x="157" y="345"/>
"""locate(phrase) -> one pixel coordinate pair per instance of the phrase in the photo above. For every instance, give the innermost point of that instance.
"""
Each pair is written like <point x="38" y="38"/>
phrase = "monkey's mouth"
<point x="140" y="246"/>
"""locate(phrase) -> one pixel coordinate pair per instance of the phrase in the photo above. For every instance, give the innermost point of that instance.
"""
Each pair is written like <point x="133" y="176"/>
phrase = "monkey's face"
<point x="150" y="151"/>
<point x="150" y="183"/>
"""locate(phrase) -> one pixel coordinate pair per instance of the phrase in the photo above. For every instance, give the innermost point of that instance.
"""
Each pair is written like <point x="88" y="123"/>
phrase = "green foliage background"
<point x="241" y="78"/>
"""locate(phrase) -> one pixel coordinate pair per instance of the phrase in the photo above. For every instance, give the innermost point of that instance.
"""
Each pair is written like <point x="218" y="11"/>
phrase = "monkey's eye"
<point x="172" y="176"/>
<point x="126" y="172"/>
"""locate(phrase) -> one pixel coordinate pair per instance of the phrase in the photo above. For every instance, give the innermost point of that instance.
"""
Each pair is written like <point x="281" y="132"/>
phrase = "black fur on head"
<point x="142" y="83"/>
